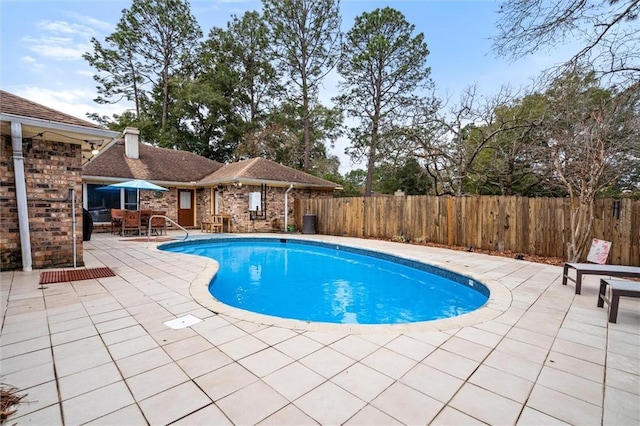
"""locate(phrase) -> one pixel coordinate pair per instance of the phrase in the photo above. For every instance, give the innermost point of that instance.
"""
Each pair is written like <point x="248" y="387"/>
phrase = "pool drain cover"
<point x="182" y="322"/>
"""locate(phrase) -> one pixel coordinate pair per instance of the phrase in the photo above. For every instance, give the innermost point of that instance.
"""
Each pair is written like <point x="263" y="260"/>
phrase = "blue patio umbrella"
<point x="135" y="184"/>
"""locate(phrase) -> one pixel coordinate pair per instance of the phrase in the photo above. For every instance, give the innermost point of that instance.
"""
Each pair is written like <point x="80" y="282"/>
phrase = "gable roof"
<point x="155" y="164"/>
<point x="21" y="107"/>
<point x="261" y="170"/>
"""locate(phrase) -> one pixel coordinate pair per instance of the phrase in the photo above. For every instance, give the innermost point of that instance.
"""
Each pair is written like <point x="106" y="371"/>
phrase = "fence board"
<point x="539" y="226"/>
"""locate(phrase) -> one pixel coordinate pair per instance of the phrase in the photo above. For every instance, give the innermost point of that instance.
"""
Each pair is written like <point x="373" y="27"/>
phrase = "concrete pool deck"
<point x="98" y="351"/>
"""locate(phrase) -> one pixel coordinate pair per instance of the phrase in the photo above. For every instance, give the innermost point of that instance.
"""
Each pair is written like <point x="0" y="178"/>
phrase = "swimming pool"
<point x="319" y="282"/>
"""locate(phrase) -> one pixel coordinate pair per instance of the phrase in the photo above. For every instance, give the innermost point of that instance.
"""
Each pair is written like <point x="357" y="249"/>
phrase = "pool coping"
<point x="500" y="297"/>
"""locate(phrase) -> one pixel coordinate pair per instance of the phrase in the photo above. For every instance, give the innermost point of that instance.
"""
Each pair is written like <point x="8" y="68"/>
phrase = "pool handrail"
<point x="170" y="220"/>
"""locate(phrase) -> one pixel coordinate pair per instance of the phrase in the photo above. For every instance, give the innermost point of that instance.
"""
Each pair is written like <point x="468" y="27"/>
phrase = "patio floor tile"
<point x="502" y="383"/>
<point x="362" y="381"/>
<point x="225" y="380"/>
<point x="327" y="362"/>
<point x="411" y="348"/>
<point x="354" y="347"/>
<point x="466" y="348"/>
<point x="207" y="416"/>
<point x="49" y="416"/>
<point x="187" y="347"/>
<point x="242" y="347"/>
<point x="298" y="347"/>
<point x="432" y="382"/>
<point x="371" y="416"/>
<point x="407" y="404"/>
<point x="204" y="362"/>
<point x="450" y="416"/>
<point x="576" y="386"/>
<point x="265" y="362"/>
<point x="97" y="403"/>
<point x="155" y="381"/>
<point x="389" y="362"/>
<point x="564" y="407"/>
<point x="251" y="404"/>
<point x="531" y="417"/>
<point x="451" y="363"/>
<point x="274" y="335"/>
<point x="88" y="380"/>
<point x="486" y="406"/>
<point x="294" y="380"/>
<point x="173" y="404"/>
<point x="129" y="415"/>
<point x="142" y="361"/>
<point x="619" y="401"/>
<point x="289" y="416"/>
<point x="328" y="404"/>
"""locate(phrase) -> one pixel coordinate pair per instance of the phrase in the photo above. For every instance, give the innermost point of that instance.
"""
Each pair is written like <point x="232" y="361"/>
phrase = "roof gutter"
<point x="36" y="122"/>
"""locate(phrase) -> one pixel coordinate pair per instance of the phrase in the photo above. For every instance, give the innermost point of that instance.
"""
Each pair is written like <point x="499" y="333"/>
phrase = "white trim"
<point x="36" y="122"/>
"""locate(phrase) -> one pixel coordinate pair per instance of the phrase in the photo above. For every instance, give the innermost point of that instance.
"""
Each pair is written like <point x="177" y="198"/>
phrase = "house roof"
<point x="156" y="164"/>
<point x="263" y="170"/>
<point x="15" y="105"/>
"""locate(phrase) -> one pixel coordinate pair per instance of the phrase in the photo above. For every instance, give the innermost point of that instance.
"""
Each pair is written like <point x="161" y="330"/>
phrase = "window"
<point x="100" y="202"/>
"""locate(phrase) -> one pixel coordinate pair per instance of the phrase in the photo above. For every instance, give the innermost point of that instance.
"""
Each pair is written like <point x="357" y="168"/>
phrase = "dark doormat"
<point x="50" y="277"/>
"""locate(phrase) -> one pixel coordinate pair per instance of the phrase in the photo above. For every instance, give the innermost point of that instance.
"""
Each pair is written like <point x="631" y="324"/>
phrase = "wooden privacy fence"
<point x="537" y="226"/>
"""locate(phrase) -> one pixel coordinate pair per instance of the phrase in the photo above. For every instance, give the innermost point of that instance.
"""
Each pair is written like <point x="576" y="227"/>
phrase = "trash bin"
<point x="87" y="225"/>
<point x="309" y="223"/>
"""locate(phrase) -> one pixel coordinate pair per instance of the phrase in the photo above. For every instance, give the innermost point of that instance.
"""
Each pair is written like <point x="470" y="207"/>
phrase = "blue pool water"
<point x="318" y="282"/>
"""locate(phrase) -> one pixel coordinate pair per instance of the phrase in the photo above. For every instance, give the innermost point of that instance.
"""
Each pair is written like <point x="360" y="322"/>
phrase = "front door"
<point x="185" y="207"/>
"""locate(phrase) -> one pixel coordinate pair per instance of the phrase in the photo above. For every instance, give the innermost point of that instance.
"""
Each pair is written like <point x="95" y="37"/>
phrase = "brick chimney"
<point x="131" y="136"/>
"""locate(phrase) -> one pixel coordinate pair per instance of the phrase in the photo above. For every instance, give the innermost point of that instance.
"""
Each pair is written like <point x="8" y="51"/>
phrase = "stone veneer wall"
<point x="50" y="168"/>
<point x="235" y="202"/>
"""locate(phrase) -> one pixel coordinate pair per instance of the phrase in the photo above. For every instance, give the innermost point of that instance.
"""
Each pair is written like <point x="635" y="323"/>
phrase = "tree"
<point x="409" y="177"/>
<point x="153" y="41"/>
<point x="243" y="48"/>
<point x="606" y="30"/>
<point x="383" y="66"/>
<point x="591" y="137"/>
<point x="306" y="41"/>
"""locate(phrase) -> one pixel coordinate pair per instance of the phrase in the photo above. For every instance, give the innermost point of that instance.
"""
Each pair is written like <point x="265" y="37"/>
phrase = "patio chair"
<point x="205" y="224"/>
<point x="597" y="256"/>
<point x="116" y="220"/>
<point x="158" y="224"/>
<point x="216" y="223"/>
<point x="144" y="220"/>
<point x="625" y="288"/>
<point x="131" y="222"/>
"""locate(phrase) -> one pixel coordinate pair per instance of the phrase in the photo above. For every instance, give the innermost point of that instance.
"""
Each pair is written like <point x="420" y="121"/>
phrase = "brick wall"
<point x="235" y="202"/>
<point x="50" y="168"/>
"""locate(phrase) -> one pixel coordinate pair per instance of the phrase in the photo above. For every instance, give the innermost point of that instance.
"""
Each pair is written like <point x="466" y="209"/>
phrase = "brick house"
<point x="41" y="159"/>
<point x="198" y="187"/>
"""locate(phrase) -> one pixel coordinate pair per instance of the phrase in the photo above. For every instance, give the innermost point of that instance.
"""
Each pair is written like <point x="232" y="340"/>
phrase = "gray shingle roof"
<point x="159" y="164"/>
<point x="15" y="105"/>
<point x="261" y="169"/>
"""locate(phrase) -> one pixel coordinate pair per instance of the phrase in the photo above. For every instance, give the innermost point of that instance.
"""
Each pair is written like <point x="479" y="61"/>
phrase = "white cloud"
<point x="64" y="27"/>
<point x="96" y="25"/>
<point x="85" y="73"/>
<point x="75" y="102"/>
<point x="60" y="48"/>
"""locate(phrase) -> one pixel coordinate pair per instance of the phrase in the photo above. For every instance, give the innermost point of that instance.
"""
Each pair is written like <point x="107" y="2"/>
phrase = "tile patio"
<point x="98" y="352"/>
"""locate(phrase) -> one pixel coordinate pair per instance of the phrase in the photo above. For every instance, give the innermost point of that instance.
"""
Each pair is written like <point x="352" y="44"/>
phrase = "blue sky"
<point x="43" y="42"/>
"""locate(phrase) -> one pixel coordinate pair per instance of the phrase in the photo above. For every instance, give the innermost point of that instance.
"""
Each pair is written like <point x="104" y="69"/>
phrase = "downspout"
<point x="21" y="195"/>
<point x="286" y="207"/>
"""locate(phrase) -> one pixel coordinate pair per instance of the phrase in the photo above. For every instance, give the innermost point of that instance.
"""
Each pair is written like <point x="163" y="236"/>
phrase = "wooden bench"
<point x="619" y="288"/>
<point x="596" y="269"/>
